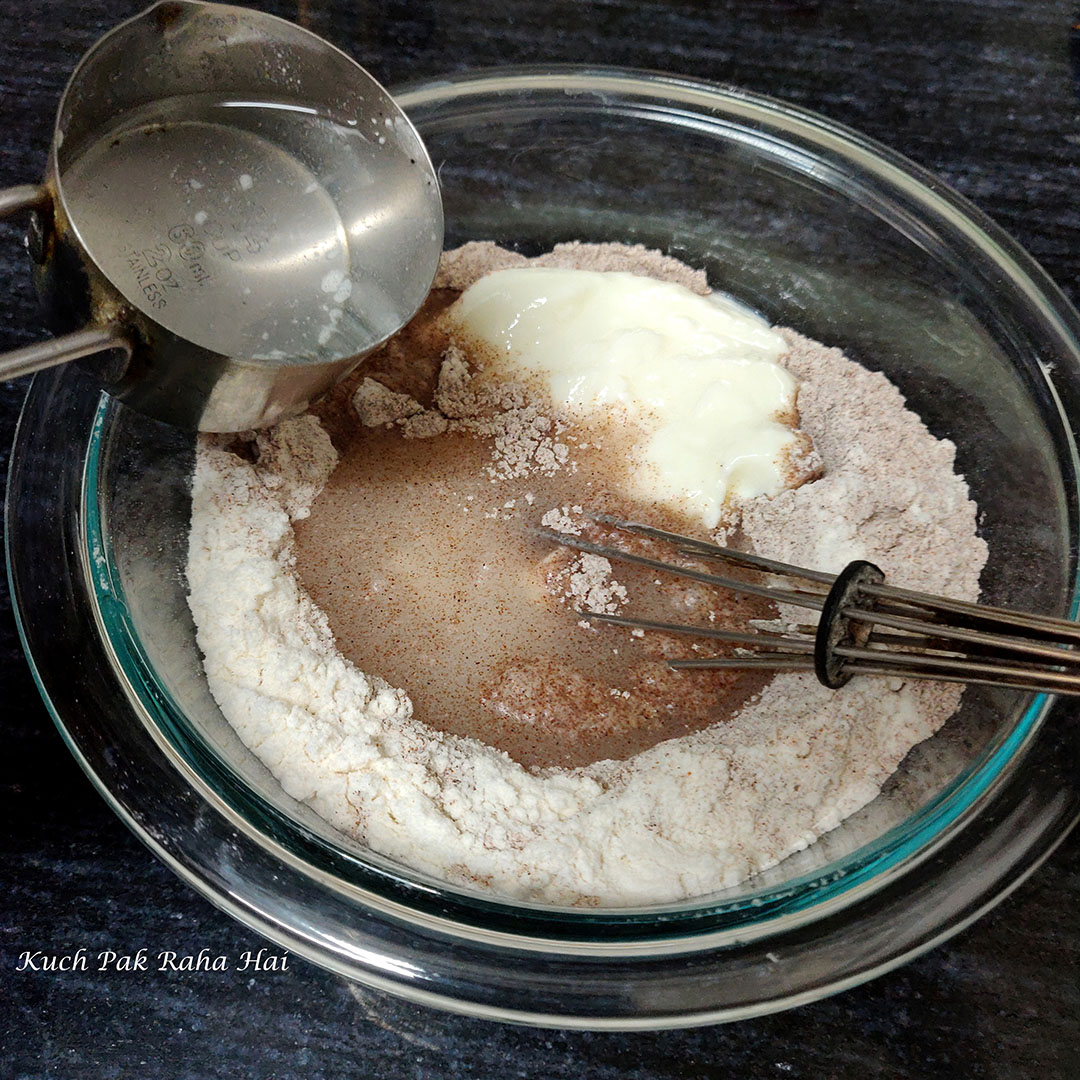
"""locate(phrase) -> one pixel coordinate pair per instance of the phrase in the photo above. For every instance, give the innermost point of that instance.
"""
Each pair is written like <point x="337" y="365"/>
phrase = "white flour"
<point x="685" y="818"/>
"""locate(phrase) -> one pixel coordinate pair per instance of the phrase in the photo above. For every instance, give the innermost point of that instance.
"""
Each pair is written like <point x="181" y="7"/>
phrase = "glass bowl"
<point x="817" y="228"/>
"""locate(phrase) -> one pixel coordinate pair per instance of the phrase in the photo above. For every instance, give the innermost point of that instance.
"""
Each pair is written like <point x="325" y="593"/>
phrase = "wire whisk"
<point x="864" y="626"/>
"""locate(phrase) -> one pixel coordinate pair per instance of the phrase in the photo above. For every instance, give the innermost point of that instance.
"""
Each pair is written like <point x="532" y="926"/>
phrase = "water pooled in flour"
<point x="425" y="567"/>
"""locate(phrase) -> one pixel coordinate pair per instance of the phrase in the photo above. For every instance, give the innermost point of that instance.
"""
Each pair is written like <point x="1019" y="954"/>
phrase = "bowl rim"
<point x="569" y="79"/>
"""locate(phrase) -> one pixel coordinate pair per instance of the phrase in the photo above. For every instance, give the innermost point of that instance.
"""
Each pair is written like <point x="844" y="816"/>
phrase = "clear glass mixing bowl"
<point x="817" y="228"/>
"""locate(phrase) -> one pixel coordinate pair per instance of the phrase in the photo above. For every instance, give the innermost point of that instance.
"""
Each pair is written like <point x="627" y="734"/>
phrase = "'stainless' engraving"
<point x="152" y="275"/>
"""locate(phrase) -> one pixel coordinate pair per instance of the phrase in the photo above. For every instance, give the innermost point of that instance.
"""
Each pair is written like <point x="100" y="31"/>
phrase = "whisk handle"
<point x="834" y="628"/>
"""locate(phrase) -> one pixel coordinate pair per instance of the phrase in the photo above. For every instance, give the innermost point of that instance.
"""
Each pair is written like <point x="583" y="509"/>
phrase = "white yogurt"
<point x="699" y="374"/>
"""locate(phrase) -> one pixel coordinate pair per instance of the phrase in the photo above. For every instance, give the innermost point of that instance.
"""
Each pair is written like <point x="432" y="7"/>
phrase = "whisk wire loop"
<point x="926" y="636"/>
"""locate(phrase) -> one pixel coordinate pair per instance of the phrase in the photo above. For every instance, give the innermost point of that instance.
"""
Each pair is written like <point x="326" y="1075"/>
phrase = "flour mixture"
<point x="381" y="630"/>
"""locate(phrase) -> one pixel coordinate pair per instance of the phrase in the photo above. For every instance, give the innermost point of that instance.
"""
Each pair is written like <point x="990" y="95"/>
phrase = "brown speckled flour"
<point x="684" y="817"/>
<point x="461" y="267"/>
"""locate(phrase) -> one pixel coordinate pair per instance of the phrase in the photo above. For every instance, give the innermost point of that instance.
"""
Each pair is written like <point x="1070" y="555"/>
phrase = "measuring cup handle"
<point x="73" y="346"/>
<point x="23" y="197"/>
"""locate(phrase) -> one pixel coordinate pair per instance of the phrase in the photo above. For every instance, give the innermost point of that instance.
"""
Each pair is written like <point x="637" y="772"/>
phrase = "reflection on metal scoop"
<point x="234" y="213"/>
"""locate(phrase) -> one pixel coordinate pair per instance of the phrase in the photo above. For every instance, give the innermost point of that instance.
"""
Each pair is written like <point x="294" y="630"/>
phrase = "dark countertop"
<point x="982" y="92"/>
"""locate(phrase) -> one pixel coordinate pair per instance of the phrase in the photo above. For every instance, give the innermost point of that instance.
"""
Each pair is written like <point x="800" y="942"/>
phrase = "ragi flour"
<point x="684" y="818"/>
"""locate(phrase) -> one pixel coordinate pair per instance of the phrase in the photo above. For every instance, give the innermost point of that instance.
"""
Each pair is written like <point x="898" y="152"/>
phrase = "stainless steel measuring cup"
<point x="233" y="214"/>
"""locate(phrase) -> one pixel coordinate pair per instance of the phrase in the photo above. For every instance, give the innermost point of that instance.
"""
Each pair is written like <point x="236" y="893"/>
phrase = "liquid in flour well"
<point x="424" y="566"/>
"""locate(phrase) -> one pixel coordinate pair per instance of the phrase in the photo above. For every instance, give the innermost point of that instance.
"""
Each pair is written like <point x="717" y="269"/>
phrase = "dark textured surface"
<point x="981" y="92"/>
